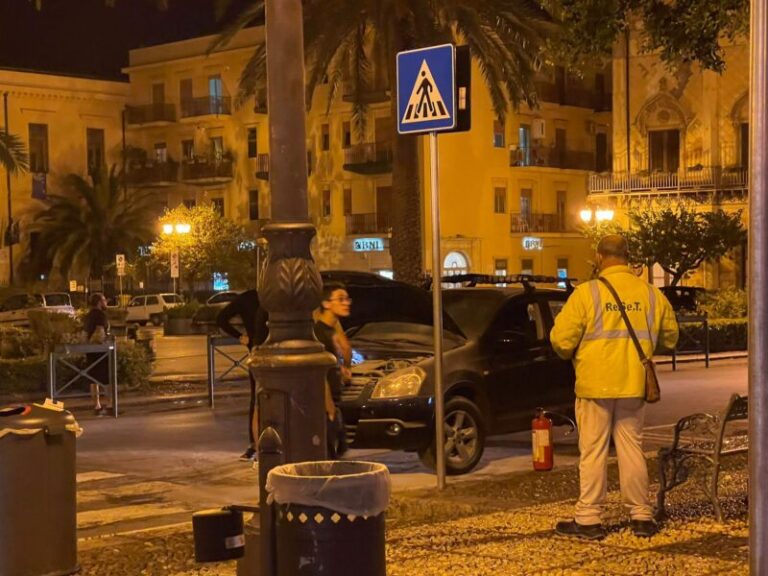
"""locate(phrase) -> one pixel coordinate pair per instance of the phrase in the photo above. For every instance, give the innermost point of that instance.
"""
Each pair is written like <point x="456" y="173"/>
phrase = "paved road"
<point x="154" y="468"/>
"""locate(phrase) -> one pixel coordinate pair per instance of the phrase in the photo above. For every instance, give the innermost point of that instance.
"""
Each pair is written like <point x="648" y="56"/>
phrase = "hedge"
<point x="725" y="335"/>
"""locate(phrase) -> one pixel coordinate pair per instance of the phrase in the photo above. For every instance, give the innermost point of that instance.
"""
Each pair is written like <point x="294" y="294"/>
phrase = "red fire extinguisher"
<point x="543" y="458"/>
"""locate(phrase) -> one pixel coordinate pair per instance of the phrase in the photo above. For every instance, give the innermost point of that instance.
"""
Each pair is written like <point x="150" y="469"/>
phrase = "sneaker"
<point x="249" y="455"/>
<point x="573" y="529"/>
<point x="644" y="528"/>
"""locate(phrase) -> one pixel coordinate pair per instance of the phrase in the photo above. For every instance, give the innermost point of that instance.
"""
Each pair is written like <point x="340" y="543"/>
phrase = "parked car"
<point x="151" y="307"/>
<point x="221" y="299"/>
<point x="498" y="367"/>
<point x="684" y="299"/>
<point x="15" y="309"/>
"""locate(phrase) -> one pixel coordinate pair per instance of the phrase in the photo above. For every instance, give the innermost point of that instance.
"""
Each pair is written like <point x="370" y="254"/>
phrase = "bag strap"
<point x="631" y="330"/>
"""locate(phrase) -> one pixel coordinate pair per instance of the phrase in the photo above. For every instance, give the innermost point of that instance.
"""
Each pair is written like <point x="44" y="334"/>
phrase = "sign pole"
<point x="437" y="313"/>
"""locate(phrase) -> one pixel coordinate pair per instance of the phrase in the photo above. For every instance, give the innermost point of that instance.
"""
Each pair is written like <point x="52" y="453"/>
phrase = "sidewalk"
<point x="500" y="527"/>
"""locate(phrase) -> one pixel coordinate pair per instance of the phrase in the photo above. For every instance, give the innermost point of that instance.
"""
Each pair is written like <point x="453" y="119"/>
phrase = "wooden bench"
<point x="702" y="439"/>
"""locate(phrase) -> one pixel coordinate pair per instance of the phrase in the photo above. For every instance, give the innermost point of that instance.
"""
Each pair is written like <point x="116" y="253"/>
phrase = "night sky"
<point x="85" y="37"/>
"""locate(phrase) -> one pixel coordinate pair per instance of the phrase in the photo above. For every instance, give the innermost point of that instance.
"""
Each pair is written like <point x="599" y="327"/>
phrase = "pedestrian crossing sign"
<point x="426" y="85"/>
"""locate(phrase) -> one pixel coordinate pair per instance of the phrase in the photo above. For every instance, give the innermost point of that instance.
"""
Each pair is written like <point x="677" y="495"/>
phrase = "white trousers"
<point x="597" y="420"/>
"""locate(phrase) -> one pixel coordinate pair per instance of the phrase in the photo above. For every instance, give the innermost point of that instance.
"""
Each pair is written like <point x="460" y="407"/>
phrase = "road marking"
<point x="95" y="518"/>
<point x="96" y="475"/>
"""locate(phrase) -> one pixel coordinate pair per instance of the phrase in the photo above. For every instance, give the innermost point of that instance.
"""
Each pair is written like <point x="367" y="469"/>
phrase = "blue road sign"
<point x="426" y="85"/>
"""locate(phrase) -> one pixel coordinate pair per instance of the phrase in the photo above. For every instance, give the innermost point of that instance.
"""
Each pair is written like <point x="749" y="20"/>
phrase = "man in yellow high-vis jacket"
<point x="610" y="384"/>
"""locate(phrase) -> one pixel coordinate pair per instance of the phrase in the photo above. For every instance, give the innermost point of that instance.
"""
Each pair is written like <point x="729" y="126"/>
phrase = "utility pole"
<point x="758" y="291"/>
<point x="9" y="231"/>
<point x="290" y="367"/>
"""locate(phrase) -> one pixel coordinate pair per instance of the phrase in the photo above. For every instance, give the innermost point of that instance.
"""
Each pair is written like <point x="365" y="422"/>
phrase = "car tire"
<point x="141" y="322"/>
<point x="156" y="319"/>
<point x="465" y="438"/>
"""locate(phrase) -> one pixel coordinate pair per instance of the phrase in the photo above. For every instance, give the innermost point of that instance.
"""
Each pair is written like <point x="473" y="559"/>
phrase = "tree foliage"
<point x="213" y="244"/>
<point x="13" y="153"/>
<point x="679" y="239"/>
<point x="88" y="223"/>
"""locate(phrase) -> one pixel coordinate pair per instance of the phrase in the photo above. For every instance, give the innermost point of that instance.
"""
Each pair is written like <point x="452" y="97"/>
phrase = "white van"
<point x="150" y="307"/>
<point x="14" y="310"/>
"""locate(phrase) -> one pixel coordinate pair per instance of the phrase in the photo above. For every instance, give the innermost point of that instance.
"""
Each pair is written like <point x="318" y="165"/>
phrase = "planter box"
<point x="181" y="327"/>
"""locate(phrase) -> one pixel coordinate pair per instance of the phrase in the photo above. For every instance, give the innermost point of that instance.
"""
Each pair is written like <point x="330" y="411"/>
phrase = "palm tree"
<point x="356" y="41"/>
<point x="13" y="153"/>
<point x="86" y="225"/>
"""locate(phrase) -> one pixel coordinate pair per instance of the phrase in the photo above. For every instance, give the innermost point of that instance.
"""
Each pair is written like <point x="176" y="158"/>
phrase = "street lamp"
<point x="180" y="228"/>
<point x="598" y="215"/>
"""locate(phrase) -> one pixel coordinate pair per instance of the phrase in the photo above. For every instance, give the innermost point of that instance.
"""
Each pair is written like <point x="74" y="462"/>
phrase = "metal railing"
<point x="155" y="173"/>
<point x="205" y="105"/>
<point x="203" y="169"/>
<point x="549" y="157"/>
<point x="574" y="95"/>
<point x="368" y="153"/>
<point x="368" y="223"/>
<point x="691" y="343"/>
<point x="62" y="355"/>
<point x="147" y="113"/>
<point x="537" y="222"/>
<point x="215" y="347"/>
<point x="689" y="179"/>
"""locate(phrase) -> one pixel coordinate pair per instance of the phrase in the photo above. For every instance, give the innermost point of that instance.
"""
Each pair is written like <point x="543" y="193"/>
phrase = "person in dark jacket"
<point x="254" y="318"/>
<point x="96" y="327"/>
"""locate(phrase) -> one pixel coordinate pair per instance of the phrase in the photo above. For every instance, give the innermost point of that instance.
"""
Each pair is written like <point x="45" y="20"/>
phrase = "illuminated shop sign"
<point x="532" y="243"/>
<point x="368" y="245"/>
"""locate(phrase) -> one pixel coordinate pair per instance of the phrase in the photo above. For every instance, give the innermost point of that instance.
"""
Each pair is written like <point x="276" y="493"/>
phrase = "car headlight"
<point x="406" y="382"/>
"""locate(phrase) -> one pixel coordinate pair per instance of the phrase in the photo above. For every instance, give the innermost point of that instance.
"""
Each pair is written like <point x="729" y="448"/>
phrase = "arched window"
<point x="455" y="263"/>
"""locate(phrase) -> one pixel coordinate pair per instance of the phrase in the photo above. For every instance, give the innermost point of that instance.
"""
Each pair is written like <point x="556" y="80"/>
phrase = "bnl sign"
<point x="426" y="85"/>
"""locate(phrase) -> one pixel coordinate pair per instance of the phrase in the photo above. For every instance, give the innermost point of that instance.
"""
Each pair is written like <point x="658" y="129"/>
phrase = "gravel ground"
<point x="499" y="527"/>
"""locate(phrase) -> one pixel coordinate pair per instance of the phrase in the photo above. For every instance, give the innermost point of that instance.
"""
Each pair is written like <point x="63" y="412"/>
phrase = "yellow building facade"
<point x="679" y="136"/>
<point x="69" y="125"/>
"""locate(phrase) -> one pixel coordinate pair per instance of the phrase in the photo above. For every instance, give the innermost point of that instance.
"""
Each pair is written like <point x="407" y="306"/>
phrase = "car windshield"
<point x="57" y="300"/>
<point x="172" y="299"/>
<point x="223" y="297"/>
<point x="472" y="309"/>
<point x="406" y="334"/>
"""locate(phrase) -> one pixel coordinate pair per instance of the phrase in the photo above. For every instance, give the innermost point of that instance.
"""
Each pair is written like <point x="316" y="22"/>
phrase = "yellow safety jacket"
<point x="591" y="330"/>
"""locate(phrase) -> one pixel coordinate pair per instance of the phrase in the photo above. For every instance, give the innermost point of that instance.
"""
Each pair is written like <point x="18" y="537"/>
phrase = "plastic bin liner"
<point x="348" y="487"/>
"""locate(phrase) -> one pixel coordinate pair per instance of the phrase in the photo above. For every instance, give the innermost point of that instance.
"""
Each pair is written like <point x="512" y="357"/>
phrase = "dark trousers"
<point x="252" y="408"/>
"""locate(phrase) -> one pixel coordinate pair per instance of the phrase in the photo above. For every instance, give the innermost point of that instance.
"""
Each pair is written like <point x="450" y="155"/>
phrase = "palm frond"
<point x="13" y="153"/>
<point x="249" y="14"/>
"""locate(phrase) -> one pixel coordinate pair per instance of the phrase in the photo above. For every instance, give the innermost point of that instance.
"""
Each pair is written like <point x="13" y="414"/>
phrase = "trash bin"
<point x="38" y="515"/>
<point x="330" y="518"/>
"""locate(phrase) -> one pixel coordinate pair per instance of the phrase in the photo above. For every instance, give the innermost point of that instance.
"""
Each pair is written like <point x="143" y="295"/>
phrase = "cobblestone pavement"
<point x="498" y="527"/>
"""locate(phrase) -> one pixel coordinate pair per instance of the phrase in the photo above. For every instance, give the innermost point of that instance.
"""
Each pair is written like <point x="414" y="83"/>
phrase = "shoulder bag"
<point x="652" y="390"/>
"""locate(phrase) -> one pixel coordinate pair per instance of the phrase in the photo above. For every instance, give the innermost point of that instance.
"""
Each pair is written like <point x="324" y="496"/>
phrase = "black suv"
<point x="498" y="367"/>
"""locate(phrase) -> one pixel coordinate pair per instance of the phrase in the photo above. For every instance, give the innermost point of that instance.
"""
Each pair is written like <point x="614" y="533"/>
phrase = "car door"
<point x="136" y="312"/>
<point x="518" y="363"/>
<point x="559" y="388"/>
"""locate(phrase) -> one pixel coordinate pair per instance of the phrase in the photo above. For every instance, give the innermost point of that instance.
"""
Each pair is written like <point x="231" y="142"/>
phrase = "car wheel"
<point x="142" y="322"/>
<point x="464" y="438"/>
<point x="156" y="319"/>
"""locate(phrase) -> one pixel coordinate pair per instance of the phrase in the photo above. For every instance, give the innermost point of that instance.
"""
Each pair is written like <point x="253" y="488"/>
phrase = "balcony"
<point x="574" y="95"/>
<point x="153" y="175"/>
<point x="368" y="223"/>
<point x="538" y="223"/>
<point x="368" y="96"/>
<point x="150" y="113"/>
<point x="262" y="165"/>
<point x="548" y="157"/>
<point x="203" y="171"/>
<point x="369" y="158"/>
<point x="206" y="106"/>
<point x="692" y="180"/>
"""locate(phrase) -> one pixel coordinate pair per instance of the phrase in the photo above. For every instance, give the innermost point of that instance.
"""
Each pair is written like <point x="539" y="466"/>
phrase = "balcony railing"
<point x="262" y="165"/>
<point x="692" y="179"/>
<point x="207" y="171"/>
<point x="538" y="223"/>
<point x="549" y="157"/>
<point x="150" y="113"/>
<point x="368" y="223"/>
<point x="574" y="95"/>
<point x="153" y="174"/>
<point x="206" y="105"/>
<point x="369" y="158"/>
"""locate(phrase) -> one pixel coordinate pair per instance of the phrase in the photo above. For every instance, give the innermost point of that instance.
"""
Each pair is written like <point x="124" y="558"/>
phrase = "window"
<point x="215" y="94"/>
<point x="561" y="210"/>
<point x="189" y="203"/>
<point x="560" y="147"/>
<point x="186" y="95"/>
<point x="498" y="134"/>
<point x="526" y="266"/>
<point x="520" y="318"/>
<point x="500" y="267"/>
<point x="562" y="270"/>
<point x="326" y="208"/>
<point x="601" y="152"/>
<point x="664" y="150"/>
<point x="253" y="148"/>
<point x="347" y="201"/>
<point x="188" y="150"/>
<point x="217" y="148"/>
<point x="253" y="204"/>
<point x="524" y="145"/>
<point x="95" y="147"/>
<point x="158" y="93"/>
<point x="500" y="199"/>
<point x="744" y="145"/>
<point x="526" y="204"/>
<point x="152" y="301"/>
<point x="455" y="263"/>
<point x="325" y="137"/>
<point x="218" y="205"/>
<point x="38" y="148"/>
<point x="161" y="152"/>
<point x="346" y="135"/>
